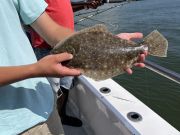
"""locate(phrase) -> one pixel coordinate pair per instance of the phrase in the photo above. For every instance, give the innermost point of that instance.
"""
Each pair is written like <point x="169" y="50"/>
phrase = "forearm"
<point x="49" y="66"/>
<point x="16" y="73"/>
<point x="50" y="30"/>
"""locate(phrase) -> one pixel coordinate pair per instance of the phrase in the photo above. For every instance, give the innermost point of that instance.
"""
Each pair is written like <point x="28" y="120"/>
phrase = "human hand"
<point x="141" y="59"/>
<point x="50" y="66"/>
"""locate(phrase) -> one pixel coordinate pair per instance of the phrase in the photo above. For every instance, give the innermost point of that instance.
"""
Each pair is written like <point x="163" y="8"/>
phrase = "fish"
<point x="100" y="54"/>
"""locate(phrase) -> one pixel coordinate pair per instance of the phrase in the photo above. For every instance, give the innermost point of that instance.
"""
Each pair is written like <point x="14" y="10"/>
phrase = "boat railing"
<point x="169" y="74"/>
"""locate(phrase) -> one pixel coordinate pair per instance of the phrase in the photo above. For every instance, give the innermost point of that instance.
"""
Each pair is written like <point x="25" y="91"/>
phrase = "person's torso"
<point x="28" y="102"/>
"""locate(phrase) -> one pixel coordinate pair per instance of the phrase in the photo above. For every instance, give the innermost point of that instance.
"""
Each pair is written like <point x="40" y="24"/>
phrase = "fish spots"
<point x="105" y="66"/>
<point x="100" y="54"/>
<point x="86" y="66"/>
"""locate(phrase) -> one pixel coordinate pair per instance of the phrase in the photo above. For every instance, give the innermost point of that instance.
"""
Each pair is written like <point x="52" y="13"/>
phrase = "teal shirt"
<point x="26" y="103"/>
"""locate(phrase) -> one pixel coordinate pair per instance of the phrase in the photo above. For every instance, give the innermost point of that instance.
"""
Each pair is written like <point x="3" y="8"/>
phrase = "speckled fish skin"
<point x="101" y="55"/>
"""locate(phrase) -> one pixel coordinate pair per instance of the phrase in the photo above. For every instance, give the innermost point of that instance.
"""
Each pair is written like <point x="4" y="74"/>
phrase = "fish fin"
<point x="97" y="27"/>
<point x="100" y="28"/>
<point x="157" y="44"/>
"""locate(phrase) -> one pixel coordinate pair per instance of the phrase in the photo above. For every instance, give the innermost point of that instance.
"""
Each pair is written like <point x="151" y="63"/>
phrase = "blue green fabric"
<point x="29" y="102"/>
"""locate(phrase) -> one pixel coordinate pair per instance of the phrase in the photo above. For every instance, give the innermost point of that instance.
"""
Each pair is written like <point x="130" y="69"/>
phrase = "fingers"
<point x="65" y="71"/>
<point x="129" y="71"/>
<point x="142" y="57"/>
<point x="141" y="60"/>
<point x="145" y="53"/>
<point x="135" y="35"/>
<point x="63" y="57"/>
<point x="129" y="36"/>
<point x="69" y="72"/>
<point x="139" y="63"/>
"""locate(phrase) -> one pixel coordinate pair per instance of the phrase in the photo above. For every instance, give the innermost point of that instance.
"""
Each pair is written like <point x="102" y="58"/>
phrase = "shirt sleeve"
<point x="30" y="10"/>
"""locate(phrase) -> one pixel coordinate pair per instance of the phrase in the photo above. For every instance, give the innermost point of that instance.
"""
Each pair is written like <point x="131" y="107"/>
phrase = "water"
<point x="160" y="94"/>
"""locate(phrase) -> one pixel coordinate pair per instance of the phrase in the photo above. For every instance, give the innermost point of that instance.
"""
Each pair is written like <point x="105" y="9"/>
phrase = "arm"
<point x="48" y="66"/>
<point x="53" y="33"/>
<point x="16" y="73"/>
<point x="49" y="30"/>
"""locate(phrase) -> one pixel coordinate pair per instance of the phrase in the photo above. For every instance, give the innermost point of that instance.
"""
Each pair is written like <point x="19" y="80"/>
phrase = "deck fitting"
<point x="105" y="90"/>
<point x="134" y="116"/>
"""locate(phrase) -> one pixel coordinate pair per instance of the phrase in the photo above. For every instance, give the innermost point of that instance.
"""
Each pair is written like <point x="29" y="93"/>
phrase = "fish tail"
<point x="157" y="44"/>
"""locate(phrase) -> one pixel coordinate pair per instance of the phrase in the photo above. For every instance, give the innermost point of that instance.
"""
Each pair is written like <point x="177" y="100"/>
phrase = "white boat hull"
<point x="106" y="114"/>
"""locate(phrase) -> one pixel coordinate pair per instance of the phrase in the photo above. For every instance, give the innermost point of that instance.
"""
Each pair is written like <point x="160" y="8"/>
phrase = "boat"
<point x="106" y="108"/>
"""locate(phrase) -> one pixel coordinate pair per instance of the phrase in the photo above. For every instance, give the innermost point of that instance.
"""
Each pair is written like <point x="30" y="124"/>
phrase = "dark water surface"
<point x="160" y="94"/>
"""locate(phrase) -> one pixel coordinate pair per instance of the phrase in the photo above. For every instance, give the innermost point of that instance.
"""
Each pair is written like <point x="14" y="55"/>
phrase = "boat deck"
<point x="69" y="130"/>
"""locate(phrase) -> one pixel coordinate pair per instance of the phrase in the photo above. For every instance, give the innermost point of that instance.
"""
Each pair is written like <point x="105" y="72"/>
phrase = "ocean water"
<point x="157" y="92"/>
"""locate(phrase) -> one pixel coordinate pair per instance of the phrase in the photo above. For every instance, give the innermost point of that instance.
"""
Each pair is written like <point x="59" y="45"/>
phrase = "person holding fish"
<point x="61" y="12"/>
<point x="26" y="98"/>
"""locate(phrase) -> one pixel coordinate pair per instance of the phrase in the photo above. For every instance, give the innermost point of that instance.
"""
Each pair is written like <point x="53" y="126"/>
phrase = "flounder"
<point x="101" y="55"/>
